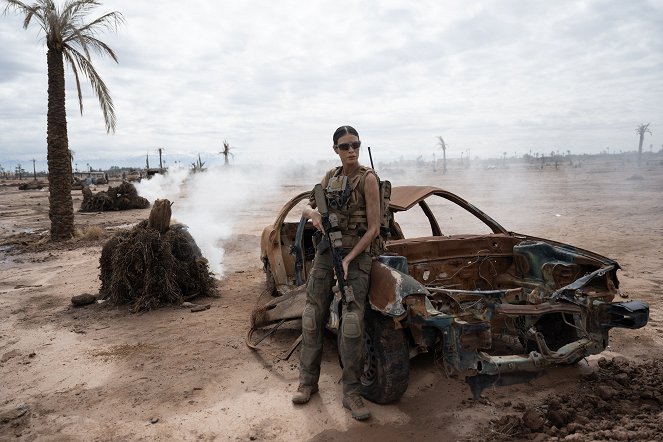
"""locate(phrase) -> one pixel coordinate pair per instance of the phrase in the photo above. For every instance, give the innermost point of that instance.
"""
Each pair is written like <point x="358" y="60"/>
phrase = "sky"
<point x="275" y="79"/>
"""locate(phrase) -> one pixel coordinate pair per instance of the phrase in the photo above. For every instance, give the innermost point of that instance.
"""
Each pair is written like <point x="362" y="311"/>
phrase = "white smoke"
<point x="210" y="203"/>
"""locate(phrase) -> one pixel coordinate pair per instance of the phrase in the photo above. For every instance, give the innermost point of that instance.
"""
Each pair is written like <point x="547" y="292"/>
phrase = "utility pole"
<point x="34" y="169"/>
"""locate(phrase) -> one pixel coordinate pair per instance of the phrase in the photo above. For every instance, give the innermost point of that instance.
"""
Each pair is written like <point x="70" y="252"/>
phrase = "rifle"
<point x="334" y="237"/>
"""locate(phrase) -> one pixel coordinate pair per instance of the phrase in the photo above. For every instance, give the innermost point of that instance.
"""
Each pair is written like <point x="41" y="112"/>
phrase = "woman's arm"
<point x="372" y="197"/>
<point x="311" y="213"/>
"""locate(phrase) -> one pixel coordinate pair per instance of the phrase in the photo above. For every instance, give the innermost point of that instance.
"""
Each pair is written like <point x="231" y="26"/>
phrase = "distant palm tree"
<point x="198" y="166"/>
<point x="68" y="38"/>
<point x="443" y="146"/>
<point x="641" y="130"/>
<point x="226" y="152"/>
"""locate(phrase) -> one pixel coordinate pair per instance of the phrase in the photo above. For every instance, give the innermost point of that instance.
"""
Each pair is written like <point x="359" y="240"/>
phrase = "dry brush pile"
<point x="123" y="197"/>
<point x="154" y="264"/>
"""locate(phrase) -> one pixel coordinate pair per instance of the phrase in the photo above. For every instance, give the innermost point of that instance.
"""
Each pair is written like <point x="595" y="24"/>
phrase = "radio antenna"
<point x="371" y="157"/>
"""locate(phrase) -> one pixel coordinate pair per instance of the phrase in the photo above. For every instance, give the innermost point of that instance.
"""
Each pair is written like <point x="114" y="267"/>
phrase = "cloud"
<point x="277" y="78"/>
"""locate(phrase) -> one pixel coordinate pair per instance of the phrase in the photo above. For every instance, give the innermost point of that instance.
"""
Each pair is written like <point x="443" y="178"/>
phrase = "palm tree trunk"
<point x="642" y="138"/>
<point x="61" y="206"/>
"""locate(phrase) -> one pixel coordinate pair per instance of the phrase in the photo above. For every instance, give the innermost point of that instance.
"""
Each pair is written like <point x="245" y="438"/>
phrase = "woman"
<point x="352" y="193"/>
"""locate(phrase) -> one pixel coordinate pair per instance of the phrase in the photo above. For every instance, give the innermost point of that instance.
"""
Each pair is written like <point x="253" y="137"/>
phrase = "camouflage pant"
<point x="318" y="298"/>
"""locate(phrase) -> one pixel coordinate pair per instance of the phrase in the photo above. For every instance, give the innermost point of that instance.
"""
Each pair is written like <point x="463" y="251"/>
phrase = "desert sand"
<point x="101" y="373"/>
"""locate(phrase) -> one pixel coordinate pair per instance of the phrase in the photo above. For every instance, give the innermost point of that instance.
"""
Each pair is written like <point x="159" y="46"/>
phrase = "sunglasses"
<point x="346" y="146"/>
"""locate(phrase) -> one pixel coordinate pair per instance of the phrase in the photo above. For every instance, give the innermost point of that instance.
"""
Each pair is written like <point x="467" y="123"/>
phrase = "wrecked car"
<point x="492" y="305"/>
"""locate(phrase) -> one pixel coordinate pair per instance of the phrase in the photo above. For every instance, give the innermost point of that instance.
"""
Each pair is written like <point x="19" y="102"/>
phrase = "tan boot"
<point x="303" y="394"/>
<point x="355" y="404"/>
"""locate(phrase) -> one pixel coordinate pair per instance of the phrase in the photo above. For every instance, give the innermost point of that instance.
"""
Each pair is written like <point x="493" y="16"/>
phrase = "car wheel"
<point x="387" y="362"/>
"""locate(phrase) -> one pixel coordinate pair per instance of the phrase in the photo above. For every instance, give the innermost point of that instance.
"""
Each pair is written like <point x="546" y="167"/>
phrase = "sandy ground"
<point x="101" y="373"/>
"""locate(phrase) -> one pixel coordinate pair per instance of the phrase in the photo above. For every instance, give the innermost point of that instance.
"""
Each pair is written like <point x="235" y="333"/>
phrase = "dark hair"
<point x="344" y="130"/>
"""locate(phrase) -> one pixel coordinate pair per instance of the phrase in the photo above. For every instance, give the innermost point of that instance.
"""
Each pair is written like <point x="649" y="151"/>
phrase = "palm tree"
<point x="443" y="146"/>
<point x="68" y="38"/>
<point x="641" y="130"/>
<point x="198" y="166"/>
<point x="226" y="151"/>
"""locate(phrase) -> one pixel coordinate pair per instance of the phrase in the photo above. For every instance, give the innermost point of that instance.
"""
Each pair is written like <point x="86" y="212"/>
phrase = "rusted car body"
<point x="490" y="305"/>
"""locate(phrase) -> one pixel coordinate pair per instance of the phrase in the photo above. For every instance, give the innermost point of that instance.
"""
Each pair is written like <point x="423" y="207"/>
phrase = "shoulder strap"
<point x="330" y="173"/>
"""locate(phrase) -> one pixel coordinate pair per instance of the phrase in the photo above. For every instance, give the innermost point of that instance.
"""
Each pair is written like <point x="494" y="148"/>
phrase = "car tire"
<point x="387" y="362"/>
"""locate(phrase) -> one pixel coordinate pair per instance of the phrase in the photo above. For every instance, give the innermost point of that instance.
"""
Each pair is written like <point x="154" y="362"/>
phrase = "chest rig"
<point x="345" y="199"/>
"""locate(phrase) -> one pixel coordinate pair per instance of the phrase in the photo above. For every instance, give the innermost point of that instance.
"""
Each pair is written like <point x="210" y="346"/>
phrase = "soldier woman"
<point x="352" y="194"/>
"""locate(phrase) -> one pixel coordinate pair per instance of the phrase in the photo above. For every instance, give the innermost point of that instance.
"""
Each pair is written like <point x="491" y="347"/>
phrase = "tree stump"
<point x="160" y="215"/>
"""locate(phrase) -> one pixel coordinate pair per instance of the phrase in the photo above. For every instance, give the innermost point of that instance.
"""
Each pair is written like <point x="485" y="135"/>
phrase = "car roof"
<point x="404" y="197"/>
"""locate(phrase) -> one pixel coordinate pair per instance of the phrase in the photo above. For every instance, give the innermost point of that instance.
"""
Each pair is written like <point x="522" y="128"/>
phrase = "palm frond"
<point x="75" y="10"/>
<point x="71" y="62"/>
<point x="79" y="37"/>
<point x="18" y="6"/>
<point x="15" y="4"/>
<point x="98" y="86"/>
<point x="97" y="45"/>
<point x="109" y="21"/>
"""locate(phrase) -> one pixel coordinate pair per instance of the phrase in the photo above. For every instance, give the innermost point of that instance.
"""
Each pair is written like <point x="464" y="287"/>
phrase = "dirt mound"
<point x="154" y="264"/>
<point x="622" y="400"/>
<point x="123" y="197"/>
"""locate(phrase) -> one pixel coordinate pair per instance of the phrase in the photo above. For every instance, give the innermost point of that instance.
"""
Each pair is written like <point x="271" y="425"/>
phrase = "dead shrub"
<point x="148" y="269"/>
<point x="90" y="233"/>
<point x="123" y="197"/>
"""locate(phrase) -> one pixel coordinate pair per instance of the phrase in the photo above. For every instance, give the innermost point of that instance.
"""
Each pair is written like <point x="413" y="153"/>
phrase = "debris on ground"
<point x="200" y="308"/>
<point x="195" y="307"/>
<point x="154" y="264"/>
<point x="84" y="299"/>
<point x="34" y="185"/>
<point x="77" y="184"/>
<point x="123" y="197"/>
<point x="622" y="400"/>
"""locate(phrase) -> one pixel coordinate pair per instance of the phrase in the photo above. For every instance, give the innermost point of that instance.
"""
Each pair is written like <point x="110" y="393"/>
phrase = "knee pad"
<point x="351" y="327"/>
<point x="308" y="319"/>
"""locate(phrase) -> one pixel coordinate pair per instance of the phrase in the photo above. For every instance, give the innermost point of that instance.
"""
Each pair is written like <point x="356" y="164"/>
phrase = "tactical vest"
<point x="345" y="198"/>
